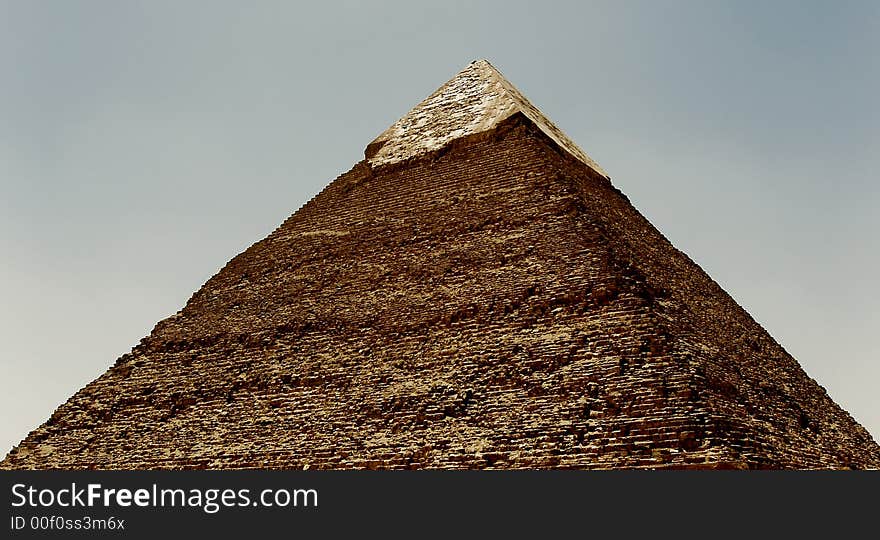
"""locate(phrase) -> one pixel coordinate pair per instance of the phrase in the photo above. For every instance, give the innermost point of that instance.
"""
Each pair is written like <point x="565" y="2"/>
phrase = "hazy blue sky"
<point x="142" y="145"/>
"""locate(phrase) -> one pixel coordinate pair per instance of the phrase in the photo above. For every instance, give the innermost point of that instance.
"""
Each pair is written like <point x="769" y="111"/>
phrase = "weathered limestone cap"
<point x="477" y="99"/>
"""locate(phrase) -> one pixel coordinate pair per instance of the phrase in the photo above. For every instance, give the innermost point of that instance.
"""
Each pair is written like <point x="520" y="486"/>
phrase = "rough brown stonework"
<point x="493" y="302"/>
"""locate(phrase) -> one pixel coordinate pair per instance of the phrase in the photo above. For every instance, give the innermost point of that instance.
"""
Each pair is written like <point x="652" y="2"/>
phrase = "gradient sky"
<point x="143" y="145"/>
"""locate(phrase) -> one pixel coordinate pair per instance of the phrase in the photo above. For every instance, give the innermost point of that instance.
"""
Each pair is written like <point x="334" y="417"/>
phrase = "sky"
<point x="143" y="145"/>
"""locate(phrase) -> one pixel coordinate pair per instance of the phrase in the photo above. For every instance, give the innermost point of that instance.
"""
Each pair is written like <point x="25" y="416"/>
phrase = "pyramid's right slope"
<point x="475" y="293"/>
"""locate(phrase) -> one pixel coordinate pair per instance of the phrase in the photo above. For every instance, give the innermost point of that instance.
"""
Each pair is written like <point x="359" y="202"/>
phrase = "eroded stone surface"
<point x="477" y="99"/>
<point x="498" y="304"/>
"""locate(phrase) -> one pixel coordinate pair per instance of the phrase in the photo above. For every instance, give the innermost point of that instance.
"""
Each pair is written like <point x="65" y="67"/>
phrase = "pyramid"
<point x="475" y="293"/>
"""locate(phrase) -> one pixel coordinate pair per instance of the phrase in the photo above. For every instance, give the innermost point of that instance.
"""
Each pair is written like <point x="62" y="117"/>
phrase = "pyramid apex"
<point x="476" y="99"/>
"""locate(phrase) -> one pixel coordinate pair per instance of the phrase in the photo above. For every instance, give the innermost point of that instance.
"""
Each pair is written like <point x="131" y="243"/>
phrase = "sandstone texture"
<point x="474" y="294"/>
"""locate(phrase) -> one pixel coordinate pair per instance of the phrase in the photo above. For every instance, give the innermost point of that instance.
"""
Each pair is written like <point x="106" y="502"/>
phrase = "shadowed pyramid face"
<point x="474" y="294"/>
